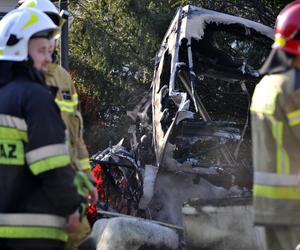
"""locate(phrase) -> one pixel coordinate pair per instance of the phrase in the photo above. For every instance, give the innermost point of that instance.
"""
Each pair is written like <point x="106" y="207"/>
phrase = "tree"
<point x="113" y="45"/>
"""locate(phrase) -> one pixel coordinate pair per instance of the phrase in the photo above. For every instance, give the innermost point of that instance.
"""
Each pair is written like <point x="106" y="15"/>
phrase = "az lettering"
<point x="8" y="151"/>
<point x="2" y="151"/>
<point x="12" y="151"/>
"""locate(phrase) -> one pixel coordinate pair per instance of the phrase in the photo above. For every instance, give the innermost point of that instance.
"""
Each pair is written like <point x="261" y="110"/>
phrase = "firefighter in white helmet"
<point x="36" y="181"/>
<point x="45" y="6"/>
<point x="66" y="98"/>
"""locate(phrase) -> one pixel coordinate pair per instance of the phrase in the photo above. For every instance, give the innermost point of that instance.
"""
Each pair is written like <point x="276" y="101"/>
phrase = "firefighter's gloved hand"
<point x="93" y="194"/>
<point x="83" y="184"/>
<point x="90" y="175"/>
<point x="73" y="222"/>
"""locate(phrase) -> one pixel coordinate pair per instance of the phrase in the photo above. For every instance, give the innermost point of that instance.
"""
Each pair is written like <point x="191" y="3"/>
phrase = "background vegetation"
<point x="112" y="50"/>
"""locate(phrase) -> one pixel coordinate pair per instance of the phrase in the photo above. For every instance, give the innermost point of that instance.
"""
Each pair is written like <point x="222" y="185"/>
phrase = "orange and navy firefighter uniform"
<point x="37" y="190"/>
<point x="67" y="100"/>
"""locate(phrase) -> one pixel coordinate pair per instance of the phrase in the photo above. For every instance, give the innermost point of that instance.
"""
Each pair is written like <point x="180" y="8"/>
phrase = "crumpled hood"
<point x="5" y="72"/>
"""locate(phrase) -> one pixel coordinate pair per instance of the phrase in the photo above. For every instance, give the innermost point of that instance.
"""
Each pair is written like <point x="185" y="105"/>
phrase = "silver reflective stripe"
<point x="273" y="179"/>
<point x="46" y="152"/>
<point x="40" y="220"/>
<point x="13" y="122"/>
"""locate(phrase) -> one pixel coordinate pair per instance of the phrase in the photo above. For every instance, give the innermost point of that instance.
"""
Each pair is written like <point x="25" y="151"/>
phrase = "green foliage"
<point x="113" y="45"/>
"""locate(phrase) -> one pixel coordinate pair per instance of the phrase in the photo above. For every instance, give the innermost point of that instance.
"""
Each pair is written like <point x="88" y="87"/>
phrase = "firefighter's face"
<point x="39" y="51"/>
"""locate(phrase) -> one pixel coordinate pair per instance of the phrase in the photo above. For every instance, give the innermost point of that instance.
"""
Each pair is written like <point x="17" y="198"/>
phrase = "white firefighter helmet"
<point x="46" y="6"/>
<point x="17" y="27"/>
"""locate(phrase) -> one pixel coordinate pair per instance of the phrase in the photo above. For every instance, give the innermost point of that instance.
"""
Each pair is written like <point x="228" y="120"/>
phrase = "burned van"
<point x="205" y="73"/>
<point x="192" y="146"/>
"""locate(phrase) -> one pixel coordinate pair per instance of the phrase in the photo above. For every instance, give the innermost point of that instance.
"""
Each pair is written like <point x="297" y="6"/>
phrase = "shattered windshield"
<point x="226" y="63"/>
<point x="252" y="51"/>
<point x="234" y="50"/>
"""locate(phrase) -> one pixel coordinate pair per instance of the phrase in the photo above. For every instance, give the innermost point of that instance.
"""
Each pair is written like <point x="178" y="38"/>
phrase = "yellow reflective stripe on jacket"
<point x="273" y="192"/>
<point x="282" y="158"/>
<point x="13" y="134"/>
<point x="66" y="109"/>
<point x="13" y="128"/>
<point x="68" y="105"/>
<point x="49" y="164"/>
<point x="294" y="117"/>
<point x="23" y="232"/>
<point x="46" y="152"/>
<point x="85" y="164"/>
<point x="12" y="152"/>
<point x="75" y="97"/>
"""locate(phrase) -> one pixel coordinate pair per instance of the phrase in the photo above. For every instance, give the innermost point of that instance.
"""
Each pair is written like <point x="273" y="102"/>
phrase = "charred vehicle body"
<point x="205" y="74"/>
<point x="192" y="138"/>
<point x="206" y="71"/>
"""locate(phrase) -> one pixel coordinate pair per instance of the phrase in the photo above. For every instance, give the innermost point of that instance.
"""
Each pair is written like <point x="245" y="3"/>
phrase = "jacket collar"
<point x="5" y="72"/>
<point x="26" y="69"/>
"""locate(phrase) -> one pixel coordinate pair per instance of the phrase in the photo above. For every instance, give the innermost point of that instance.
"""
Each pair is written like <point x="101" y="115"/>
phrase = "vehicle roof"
<point x="191" y="22"/>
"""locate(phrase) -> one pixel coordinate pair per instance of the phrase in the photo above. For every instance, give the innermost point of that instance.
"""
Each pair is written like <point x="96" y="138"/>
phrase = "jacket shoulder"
<point x="277" y="80"/>
<point x="34" y="90"/>
<point x="57" y="76"/>
<point x="267" y="91"/>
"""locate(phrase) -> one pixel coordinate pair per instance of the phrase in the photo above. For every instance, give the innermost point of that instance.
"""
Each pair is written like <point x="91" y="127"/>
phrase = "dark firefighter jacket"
<point x="36" y="181"/>
<point x="276" y="149"/>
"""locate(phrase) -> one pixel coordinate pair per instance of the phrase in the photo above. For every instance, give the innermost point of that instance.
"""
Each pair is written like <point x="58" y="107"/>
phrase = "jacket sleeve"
<point x="290" y="104"/>
<point x="47" y="154"/>
<point x="74" y="123"/>
<point x="76" y="126"/>
<point x="67" y="100"/>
